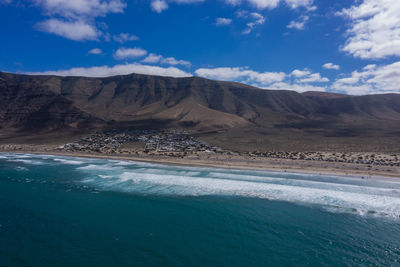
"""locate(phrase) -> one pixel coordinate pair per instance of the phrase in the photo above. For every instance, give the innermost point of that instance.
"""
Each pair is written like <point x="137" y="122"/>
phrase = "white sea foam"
<point x="97" y="167"/>
<point x="336" y="194"/>
<point x="69" y="162"/>
<point x="363" y="197"/>
<point x="26" y="161"/>
<point x="105" y="176"/>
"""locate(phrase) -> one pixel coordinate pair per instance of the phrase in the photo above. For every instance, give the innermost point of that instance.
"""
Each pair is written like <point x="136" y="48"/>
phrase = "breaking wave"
<point x="373" y="197"/>
<point x="336" y="194"/>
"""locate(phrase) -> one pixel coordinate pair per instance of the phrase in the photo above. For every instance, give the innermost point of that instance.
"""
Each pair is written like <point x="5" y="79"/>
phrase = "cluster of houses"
<point x="178" y="143"/>
<point x="104" y="141"/>
<point x="111" y="141"/>
<point x="174" y="141"/>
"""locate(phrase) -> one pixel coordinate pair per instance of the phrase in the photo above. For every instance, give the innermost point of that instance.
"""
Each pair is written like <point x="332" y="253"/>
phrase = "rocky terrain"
<point x="378" y="159"/>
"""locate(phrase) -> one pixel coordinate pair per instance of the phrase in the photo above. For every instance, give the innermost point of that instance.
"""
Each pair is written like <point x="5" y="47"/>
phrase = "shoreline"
<point x="239" y="163"/>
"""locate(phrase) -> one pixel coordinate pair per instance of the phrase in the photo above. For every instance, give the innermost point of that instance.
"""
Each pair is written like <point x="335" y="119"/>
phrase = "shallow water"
<point x="74" y="211"/>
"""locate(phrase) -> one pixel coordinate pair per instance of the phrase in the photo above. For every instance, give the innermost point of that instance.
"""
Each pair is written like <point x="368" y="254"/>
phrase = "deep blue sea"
<point x="64" y="211"/>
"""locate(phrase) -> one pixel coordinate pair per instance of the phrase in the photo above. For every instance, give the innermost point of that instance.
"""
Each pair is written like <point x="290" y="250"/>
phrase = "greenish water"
<point x="61" y="211"/>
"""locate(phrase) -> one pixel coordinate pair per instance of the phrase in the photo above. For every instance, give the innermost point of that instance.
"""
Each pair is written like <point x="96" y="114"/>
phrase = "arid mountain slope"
<point x="46" y="103"/>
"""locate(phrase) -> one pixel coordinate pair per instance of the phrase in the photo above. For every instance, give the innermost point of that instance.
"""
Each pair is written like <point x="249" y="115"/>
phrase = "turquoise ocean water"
<point x="64" y="211"/>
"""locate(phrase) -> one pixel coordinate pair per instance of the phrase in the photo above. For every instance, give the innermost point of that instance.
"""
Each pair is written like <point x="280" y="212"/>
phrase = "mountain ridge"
<point x="46" y="103"/>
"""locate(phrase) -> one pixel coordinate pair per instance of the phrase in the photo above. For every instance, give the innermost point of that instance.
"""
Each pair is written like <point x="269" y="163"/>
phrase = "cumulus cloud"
<point x="159" y="5"/>
<point x="298" y="80"/>
<point x="261" y="4"/>
<point x="154" y="58"/>
<point x="299" y="3"/>
<point x="186" y="1"/>
<point x="298" y="24"/>
<point x="370" y="80"/>
<point x="296" y="87"/>
<point x="75" y="30"/>
<point x="95" y="51"/>
<point x="106" y="71"/>
<point x="173" y="61"/>
<point x="374" y="29"/>
<point x="270" y="4"/>
<point x="125" y="37"/>
<point x="233" y="2"/>
<point x="313" y="78"/>
<point x="80" y="8"/>
<point x="240" y="75"/>
<point x="331" y="66"/>
<point x="125" y="53"/>
<point x="75" y="19"/>
<point x="306" y="76"/>
<point x="300" y="73"/>
<point x="223" y="21"/>
<point x="253" y="19"/>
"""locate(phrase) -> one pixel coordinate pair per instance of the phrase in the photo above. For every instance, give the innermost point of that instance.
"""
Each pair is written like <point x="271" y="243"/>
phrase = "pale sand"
<point x="238" y="162"/>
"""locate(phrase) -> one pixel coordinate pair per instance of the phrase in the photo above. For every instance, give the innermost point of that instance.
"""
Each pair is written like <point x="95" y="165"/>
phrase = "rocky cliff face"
<point x="47" y="103"/>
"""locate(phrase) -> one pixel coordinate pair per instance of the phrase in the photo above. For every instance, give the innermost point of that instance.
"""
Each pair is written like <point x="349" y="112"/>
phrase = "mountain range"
<point x="214" y="109"/>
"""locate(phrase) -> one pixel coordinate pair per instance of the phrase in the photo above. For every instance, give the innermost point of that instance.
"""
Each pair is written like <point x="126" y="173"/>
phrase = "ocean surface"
<point x="68" y="211"/>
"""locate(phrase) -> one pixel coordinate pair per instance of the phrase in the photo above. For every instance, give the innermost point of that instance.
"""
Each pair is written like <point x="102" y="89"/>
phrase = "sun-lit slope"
<point x="189" y="113"/>
<point x="198" y="104"/>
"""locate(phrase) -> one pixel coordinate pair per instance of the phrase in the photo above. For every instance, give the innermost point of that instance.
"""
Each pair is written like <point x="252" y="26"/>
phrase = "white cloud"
<point x="306" y="76"/>
<point x="375" y="29"/>
<point x="270" y="4"/>
<point x="105" y="71"/>
<point x="75" y="30"/>
<point x="187" y="1"/>
<point x="81" y="8"/>
<point x="159" y="5"/>
<point x="296" y="87"/>
<point x="125" y="37"/>
<point x="331" y="66"/>
<point x="370" y="80"/>
<point x="298" y="80"/>
<point x="299" y="3"/>
<point x="223" y="21"/>
<point x="125" y="53"/>
<point x="153" y="58"/>
<point x="261" y="4"/>
<point x="75" y="19"/>
<point x="173" y="61"/>
<point x="241" y="75"/>
<point x="298" y="24"/>
<point x="233" y="2"/>
<point x="313" y="78"/>
<point x="300" y="73"/>
<point x="255" y="19"/>
<point x="95" y="51"/>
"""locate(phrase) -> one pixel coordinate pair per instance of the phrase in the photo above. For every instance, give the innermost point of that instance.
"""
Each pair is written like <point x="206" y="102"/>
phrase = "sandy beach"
<point x="231" y="160"/>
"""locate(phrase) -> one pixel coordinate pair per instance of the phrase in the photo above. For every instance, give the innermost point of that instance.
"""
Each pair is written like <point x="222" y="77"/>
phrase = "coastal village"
<point x="144" y="141"/>
<point x="181" y="144"/>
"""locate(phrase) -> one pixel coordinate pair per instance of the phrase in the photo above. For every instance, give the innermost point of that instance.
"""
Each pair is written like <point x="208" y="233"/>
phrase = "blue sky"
<point x="348" y="46"/>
